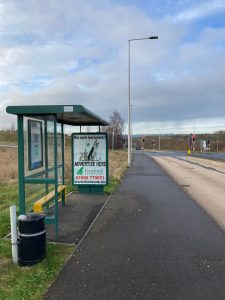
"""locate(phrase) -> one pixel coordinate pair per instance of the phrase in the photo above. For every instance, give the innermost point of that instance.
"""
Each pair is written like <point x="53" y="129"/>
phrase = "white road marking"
<point x="206" y="189"/>
<point x="206" y="165"/>
<point x="175" y="164"/>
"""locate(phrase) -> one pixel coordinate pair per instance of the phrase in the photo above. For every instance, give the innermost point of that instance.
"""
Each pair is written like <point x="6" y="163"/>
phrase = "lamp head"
<point x="154" y="37"/>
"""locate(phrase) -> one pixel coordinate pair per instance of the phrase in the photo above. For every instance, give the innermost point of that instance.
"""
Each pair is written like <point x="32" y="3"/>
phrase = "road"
<point x="202" y="179"/>
<point x="151" y="241"/>
<point x="211" y="155"/>
<point x="8" y="146"/>
<point x="207" y="155"/>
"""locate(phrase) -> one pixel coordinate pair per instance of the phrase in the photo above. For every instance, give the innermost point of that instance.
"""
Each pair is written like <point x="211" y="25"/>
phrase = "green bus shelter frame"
<point x="75" y="115"/>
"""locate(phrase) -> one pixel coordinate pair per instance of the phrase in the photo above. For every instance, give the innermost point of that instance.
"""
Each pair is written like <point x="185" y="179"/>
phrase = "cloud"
<point x="76" y="52"/>
<point x="201" y="10"/>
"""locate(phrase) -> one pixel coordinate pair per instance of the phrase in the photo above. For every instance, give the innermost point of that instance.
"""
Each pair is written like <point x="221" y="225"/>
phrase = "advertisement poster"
<point x="90" y="159"/>
<point x="35" y="144"/>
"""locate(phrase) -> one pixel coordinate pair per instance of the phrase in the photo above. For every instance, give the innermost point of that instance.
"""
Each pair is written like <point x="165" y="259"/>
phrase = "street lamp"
<point x="129" y="105"/>
<point x="131" y="129"/>
<point x="113" y="138"/>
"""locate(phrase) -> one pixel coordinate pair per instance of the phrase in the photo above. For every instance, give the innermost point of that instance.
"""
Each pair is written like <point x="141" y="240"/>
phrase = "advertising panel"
<point x="35" y="144"/>
<point x="90" y="158"/>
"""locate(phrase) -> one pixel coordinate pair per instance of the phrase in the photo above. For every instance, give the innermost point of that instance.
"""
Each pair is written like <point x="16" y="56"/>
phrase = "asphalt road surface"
<point x="8" y="146"/>
<point x="151" y="241"/>
<point x="202" y="179"/>
<point x="206" y="155"/>
<point x="211" y="155"/>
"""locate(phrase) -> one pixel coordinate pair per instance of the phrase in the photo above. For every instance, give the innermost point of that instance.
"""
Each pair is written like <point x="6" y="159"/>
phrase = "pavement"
<point x="75" y="217"/>
<point x="151" y="241"/>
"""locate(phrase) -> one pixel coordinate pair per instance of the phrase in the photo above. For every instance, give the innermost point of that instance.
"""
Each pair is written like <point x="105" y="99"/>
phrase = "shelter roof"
<point x="67" y="114"/>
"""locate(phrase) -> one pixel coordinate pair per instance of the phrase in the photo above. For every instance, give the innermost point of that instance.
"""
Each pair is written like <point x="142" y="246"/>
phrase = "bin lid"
<point x="31" y="217"/>
<point x="31" y="223"/>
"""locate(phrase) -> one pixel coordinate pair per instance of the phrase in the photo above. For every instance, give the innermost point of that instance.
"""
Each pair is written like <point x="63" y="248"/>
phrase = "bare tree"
<point x="115" y="130"/>
<point x="12" y="127"/>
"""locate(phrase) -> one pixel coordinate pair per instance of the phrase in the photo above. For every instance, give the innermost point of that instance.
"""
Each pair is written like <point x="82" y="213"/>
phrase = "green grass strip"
<point x="30" y="282"/>
<point x="111" y="187"/>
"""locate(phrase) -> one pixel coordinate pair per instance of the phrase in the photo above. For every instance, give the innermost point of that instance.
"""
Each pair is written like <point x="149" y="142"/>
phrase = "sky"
<point x="76" y="52"/>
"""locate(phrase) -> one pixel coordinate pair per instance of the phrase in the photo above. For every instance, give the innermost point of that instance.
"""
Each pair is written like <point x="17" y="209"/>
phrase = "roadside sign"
<point x="35" y="144"/>
<point x="90" y="159"/>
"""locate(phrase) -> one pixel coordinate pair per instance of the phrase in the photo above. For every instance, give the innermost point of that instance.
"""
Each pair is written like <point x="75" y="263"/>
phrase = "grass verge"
<point x="30" y="282"/>
<point x="113" y="183"/>
<point x="8" y="196"/>
<point x="25" y="282"/>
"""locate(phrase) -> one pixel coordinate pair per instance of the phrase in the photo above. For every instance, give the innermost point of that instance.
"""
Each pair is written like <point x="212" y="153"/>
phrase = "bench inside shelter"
<point x="45" y="200"/>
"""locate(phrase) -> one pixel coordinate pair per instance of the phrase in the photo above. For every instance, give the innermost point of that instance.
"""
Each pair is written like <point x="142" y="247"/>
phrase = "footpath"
<point x="151" y="241"/>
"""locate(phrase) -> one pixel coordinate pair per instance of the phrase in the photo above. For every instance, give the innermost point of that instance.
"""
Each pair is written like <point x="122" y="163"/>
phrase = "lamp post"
<point x="159" y="141"/>
<point x="113" y="138"/>
<point x="131" y="130"/>
<point x="129" y="104"/>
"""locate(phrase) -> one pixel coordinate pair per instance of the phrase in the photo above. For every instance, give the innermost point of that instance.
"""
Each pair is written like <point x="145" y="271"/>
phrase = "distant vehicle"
<point x="138" y="148"/>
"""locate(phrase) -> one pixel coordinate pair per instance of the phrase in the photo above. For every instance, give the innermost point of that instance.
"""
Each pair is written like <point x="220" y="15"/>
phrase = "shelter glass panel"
<point x="34" y="145"/>
<point x="39" y="147"/>
<point x="50" y="147"/>
<point x="34" y="192"/>
<point x="59" y="153"/>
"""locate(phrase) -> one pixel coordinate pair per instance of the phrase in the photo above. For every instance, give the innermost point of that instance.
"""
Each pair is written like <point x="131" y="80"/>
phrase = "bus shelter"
<point x="41" y="157"/>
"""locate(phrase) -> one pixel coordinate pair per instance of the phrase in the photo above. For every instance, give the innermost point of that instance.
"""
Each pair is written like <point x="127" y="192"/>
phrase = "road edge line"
<point x="92" y="223"/>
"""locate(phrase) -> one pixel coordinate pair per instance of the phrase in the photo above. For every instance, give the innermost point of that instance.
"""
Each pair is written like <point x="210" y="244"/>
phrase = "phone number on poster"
<point x="90" y="178"/>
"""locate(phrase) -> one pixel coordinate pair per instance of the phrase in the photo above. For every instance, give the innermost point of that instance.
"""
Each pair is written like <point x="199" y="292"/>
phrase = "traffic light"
<point x="191" y="139"/>
<point x="143" y="140"/>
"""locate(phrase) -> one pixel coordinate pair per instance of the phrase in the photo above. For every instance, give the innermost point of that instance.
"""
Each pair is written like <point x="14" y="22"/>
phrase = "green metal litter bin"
<point x="31" y="239"/>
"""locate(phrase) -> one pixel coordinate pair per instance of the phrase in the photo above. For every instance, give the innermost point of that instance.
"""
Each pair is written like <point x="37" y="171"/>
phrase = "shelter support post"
<point x="56" y="177"/>
<point x="63" y="153"/>
<point x="21" y="165"/>
<point x="46" y="158"/>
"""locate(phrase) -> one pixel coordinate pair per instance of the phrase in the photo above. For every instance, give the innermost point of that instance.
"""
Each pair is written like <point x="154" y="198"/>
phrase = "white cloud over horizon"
<point x="76" y="52"/>
<point x="201" y="10"/>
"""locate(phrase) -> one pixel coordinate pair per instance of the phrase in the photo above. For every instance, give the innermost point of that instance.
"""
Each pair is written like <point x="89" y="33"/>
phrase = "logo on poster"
<point x="80" y="171"/>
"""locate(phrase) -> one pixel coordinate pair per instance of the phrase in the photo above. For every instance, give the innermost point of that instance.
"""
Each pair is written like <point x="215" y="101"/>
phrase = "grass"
<point x="26" y="282"/>
<point x="117" y="168"/>
<point x="8" y="165"/>
<point x="113" y="183"/>
<point x="30" y="282"/>
<point x="8" y="196"/>
<point x="8" y="137"/>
